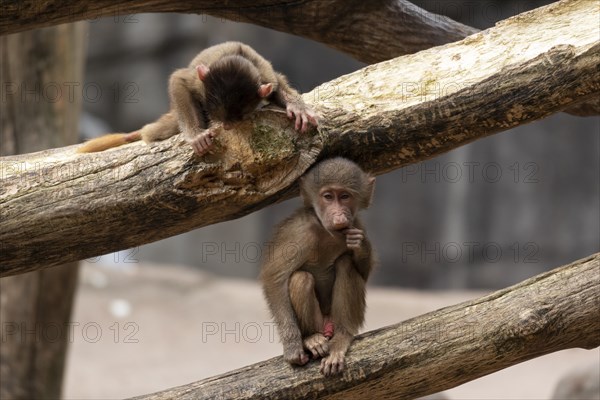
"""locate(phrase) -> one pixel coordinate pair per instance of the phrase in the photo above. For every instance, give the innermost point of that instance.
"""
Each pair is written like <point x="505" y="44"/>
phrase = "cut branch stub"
<point x="137" y="194"/>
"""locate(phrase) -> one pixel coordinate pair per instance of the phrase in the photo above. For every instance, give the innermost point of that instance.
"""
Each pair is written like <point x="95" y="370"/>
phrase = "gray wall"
<point x="486" y="215"/>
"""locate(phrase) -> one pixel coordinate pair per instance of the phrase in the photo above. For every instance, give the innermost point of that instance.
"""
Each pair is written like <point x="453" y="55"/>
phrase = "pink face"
<point x="336" y="207"/>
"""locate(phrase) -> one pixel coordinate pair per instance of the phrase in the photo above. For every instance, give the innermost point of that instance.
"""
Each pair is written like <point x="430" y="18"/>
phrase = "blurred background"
<point x="481" y="217"/>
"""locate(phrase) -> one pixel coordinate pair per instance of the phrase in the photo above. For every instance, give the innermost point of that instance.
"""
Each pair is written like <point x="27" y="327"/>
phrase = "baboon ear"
<point x="203" y="71"/>
<point x="369" y="191"/>
<point x="265" y="90"/>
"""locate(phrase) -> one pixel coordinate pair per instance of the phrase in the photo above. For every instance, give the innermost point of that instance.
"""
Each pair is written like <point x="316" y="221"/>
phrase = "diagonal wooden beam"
<point x="556" y="310"/>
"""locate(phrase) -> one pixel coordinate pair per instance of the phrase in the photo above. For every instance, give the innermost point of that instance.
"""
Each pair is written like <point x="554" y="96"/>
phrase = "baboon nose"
<point x="340" y="223"/>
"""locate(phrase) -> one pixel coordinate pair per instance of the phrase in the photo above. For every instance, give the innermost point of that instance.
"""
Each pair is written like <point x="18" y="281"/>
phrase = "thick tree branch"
<point x="553" y="311"/>
<point x="371" y="31"/>
<point x="59" y="206"/>
<point x="387" y="28"/>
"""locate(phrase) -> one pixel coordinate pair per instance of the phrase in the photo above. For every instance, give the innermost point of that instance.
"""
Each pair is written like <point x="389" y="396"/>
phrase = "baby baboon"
<point x="314" y="277"/>
<point x="224" y="83"/>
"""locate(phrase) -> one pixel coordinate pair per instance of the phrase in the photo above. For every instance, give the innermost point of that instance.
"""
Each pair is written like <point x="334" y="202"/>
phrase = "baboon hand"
<point x="303" y="115"/>
<point x="354" y="237"/>
<point x="202" y="142"/>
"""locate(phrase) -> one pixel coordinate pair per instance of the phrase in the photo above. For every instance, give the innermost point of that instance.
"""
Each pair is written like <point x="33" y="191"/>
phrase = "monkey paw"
<point x="354" y="238"/>
<point x="295" y="355"/>
<point x="317" y="344"/>
<point x="201" y="142"/>
<point x="303" y="115"/>
<point x="333" y="364"/>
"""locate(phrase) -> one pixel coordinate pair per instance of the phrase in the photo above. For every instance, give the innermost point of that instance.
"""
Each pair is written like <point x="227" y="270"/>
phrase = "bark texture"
<point x="61" y="206"/>
<point x="370" y="31"/>
<point x="557" y="310"/>
<point x="386" y="28"/>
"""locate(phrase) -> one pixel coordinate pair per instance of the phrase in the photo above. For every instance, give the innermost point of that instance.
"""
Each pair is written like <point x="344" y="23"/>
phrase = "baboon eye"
<point x="345" y="196"/>
<point x="328" y="196"/>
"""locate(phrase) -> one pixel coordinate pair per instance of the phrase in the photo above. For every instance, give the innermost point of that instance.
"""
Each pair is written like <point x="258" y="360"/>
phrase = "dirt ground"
<point x="146" y="328"/>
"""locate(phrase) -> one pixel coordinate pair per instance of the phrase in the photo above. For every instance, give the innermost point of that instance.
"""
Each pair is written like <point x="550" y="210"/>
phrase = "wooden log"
<point x="370" y="31"/>
<point x="556" y="310"/>
<point x="386" y="28"/>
